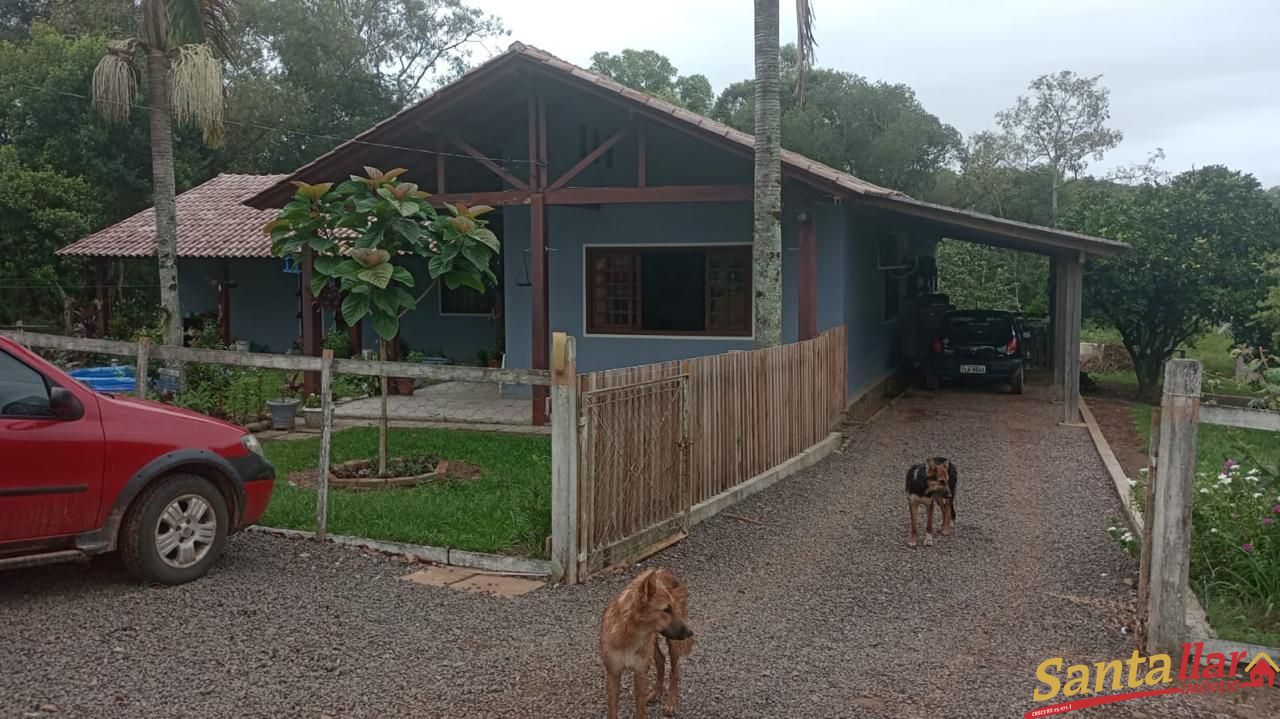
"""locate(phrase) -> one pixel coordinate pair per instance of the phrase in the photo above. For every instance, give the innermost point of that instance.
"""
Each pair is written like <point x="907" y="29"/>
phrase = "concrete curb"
<point x="708" y="508"/>
<point x="438" y="555"/>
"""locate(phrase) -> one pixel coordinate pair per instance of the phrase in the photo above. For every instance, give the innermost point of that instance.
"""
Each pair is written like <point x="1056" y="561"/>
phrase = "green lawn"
<point x="1234" y="513"/>
<point x="1212" y="349"/>
<point x="507" y="510"/>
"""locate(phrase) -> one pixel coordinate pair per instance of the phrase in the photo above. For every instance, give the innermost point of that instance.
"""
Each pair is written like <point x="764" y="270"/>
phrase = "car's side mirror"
<point x="64" y="405"/>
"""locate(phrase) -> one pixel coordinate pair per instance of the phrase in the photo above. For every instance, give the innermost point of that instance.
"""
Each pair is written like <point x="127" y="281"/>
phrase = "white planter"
<point x="312" y="417"/>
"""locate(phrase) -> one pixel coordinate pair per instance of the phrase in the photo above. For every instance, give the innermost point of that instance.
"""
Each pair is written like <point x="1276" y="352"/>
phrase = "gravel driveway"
<point x="820" y="611"/>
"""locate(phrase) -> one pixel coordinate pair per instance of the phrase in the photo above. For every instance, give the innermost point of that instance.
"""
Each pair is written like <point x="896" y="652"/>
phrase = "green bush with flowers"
<point x="1235" y="547"/>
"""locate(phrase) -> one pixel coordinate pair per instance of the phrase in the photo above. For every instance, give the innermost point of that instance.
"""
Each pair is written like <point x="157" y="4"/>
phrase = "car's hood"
<point x="167" y="410"/>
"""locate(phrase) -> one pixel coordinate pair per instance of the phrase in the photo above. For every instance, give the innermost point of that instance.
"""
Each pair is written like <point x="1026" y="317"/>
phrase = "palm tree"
<point x="767" y="232"/>
<point x="184" y="80"/>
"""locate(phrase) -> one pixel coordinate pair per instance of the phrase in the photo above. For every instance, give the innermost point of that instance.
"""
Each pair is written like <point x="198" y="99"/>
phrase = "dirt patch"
<point x="357" y="475"/>
<point x="1115" y="419"/>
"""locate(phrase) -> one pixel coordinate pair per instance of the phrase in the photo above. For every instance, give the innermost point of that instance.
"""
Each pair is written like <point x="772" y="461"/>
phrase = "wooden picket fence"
<point x="736" y="416"/>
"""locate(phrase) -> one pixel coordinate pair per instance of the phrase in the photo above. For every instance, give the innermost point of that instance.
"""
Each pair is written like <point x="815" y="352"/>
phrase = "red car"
<point x="83" y="473"/>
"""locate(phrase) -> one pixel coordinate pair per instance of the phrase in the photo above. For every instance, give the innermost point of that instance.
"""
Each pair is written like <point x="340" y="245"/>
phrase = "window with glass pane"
<point x="676" y="290"/>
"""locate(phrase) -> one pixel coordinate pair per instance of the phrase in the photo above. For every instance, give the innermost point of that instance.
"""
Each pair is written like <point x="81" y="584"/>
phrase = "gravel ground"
<point x="821" y="611"/>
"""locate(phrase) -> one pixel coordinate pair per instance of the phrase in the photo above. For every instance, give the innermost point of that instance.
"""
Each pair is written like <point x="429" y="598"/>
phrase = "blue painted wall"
<point x="424" y="329"/>
<point x="264" y="309"/>
<point x="850" y="289"/>
<point x="264" y="302"/>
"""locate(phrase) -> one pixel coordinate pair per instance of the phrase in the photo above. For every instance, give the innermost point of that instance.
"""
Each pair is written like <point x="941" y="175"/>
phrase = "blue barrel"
<point x="116" y="379"/>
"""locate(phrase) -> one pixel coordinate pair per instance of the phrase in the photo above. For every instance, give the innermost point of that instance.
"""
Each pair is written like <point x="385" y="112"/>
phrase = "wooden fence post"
<point x="564" y="459"/>
<point x="1171" y="515"/>
<point x="1148" y="507"/>
<point x="144" y="355"/>
<point x="326" y="437"/>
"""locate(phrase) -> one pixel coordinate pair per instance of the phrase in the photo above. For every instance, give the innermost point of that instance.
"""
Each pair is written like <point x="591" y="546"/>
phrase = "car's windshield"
<point x="984" y="329"/>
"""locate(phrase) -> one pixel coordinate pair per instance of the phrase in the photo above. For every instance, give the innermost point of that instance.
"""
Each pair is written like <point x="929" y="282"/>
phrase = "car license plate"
<point x="973" y="369"/>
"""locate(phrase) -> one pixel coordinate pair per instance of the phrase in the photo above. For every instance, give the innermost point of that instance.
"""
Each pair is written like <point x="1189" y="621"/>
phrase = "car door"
<point x="50" y="469"/>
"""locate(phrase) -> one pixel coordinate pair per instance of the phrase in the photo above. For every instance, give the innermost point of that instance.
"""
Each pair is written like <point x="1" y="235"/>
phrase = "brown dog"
<point x="933" y="482"/>
<point x="653" y="604"/>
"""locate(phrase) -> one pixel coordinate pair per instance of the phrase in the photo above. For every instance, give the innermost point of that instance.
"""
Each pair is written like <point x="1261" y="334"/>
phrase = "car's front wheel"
<point x="175" y="530"/>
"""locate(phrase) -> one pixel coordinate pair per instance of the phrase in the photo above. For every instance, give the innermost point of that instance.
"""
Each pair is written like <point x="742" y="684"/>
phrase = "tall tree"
<point x="184" y="79"/>
<point x="651" y="72"/>
<point x="40" y="211"/>
<point x="43" y="119"/>
<point x="1199" y="243"/>
<point x="766" y="257"/>
<point x="307" y="72"/>
<point x="875" y="130"/>
<point x="1062" y="124"/>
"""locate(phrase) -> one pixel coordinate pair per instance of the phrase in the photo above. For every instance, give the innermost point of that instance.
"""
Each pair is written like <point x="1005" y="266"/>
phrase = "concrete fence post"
<point x="564" y="459"/>
<point x="1170" y="528"/>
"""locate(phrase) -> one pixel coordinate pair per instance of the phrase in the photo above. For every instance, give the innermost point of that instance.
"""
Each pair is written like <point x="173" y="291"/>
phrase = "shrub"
<point x="1235" y="540"/>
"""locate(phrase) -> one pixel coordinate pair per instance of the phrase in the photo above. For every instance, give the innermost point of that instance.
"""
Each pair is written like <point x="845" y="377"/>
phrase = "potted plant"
<point x="403" y="386"/>
<point x="284" y="410"/>
<point x="495" y="357"/>
<point x="311" y="412"/>
<point x="482" y="358"/>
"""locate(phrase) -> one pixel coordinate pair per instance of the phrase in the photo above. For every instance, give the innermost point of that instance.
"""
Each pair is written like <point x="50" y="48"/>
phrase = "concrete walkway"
<point x="466" y="402"/>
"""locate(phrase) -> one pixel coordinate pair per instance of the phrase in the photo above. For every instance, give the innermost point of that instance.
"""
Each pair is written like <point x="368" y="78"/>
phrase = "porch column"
<point x="541" y="305"/>
<point x="1070" y="295"/>
<point x="807" y="284"/>
<point x="310" y="316"/>
<point x="102" y="293"/>
<point x="224" y="300"/>
<point x="1055" y="326"/>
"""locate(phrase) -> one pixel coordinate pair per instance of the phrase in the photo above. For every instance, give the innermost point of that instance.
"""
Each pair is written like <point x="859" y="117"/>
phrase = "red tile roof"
<point x="212" y="222"/>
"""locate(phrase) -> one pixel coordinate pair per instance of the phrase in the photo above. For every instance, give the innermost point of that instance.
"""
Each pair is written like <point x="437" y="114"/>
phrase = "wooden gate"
<point x="634" y="494"/>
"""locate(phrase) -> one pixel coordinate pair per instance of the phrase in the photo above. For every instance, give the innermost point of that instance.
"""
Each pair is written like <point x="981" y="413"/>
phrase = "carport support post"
<point x="1171" y="515"/>
<point x="1071" y="291"/>
<point x="564" y="459"/>
<point x="326" y="437"/>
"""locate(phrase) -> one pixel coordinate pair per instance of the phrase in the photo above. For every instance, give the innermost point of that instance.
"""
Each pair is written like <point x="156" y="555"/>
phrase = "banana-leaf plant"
<point x="362" y="231"/>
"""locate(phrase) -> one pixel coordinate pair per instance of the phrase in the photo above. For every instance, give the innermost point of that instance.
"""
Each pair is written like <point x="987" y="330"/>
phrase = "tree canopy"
<point x="875" y="130"/>
<point x="652" y="72"/>
<point x="1199" y="243"/>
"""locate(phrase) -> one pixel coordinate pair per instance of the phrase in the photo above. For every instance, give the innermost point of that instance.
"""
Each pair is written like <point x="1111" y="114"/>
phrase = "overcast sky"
<point x="1199" y="78"/>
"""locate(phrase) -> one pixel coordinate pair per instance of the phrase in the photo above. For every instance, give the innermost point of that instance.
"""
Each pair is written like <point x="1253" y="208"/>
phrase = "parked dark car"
<point x="977" y="345"/>
<point x="83" y="473"/>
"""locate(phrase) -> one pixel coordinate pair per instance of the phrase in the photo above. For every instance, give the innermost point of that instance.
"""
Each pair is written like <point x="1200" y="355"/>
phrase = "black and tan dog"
<point x="933" y="482"/>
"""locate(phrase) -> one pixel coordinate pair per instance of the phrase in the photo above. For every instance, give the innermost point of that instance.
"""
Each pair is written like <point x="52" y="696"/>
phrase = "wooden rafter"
<point x="642" y="153"/>
<point x="500" y="198"/>
<point x="591" y="157"/>
<point x="490" y="165"/>
<point x="640" y="195"/>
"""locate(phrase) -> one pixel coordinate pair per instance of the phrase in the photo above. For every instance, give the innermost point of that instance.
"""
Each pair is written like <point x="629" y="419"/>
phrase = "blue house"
<point x="627" y="222"/>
